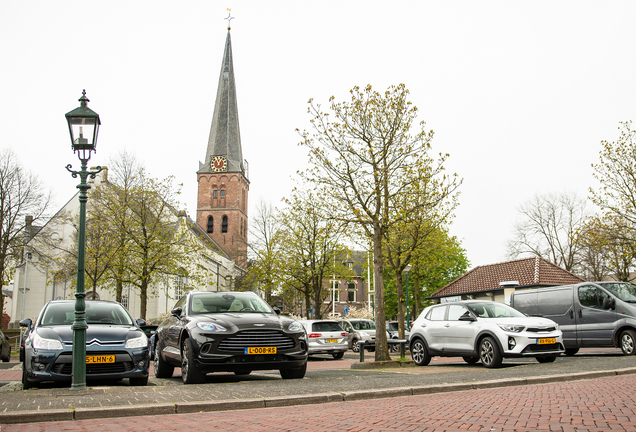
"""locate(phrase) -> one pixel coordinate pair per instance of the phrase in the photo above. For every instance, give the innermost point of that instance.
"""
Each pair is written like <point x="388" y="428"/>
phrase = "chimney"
<point x="28" y="228"/>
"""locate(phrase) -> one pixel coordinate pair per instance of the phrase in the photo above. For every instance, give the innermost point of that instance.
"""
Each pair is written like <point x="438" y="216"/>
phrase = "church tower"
<point x="223" y="176"/>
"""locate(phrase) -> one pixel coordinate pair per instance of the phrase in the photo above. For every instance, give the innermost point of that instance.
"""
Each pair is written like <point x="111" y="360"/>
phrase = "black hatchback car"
<point x="228" y="332"/>
<point x="116" y="347"/>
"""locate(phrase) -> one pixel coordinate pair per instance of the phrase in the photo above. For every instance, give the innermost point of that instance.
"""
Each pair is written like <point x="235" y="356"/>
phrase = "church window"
<point x="222" y="193"/>
<point x="210" y="224"/>
<point x="215" y="194"/>
<point x="224" y="225"/>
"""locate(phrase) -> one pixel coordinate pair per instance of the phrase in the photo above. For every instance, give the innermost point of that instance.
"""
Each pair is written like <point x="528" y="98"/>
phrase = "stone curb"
<point x="226" y="405"/>
<point x="383" y="364"/>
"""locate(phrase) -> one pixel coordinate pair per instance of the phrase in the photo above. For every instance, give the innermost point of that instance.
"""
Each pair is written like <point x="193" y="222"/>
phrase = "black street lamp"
<point x="83" y="124"/>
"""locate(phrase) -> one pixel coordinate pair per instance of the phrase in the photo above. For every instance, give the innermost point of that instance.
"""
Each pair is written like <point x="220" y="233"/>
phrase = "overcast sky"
<point x="519" y="93"/>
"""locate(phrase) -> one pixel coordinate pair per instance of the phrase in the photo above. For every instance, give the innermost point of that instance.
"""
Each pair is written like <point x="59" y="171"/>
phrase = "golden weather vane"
<point x="229" y="18"/>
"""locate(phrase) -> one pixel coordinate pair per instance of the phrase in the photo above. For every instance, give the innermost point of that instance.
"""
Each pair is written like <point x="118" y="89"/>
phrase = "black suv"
<point x="228" y="332"/>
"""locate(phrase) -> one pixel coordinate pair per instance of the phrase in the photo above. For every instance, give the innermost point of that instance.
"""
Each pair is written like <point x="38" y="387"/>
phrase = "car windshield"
<point x="623" y="290"/>
<point x="494" y="310"/>
<point x="363" y="325"/>
<point x="96" y="313"/>
<point x="219" y="302"/>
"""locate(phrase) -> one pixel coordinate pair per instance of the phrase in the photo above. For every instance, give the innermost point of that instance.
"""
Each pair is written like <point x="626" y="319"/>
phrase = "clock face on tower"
<point x="218" y="164"/>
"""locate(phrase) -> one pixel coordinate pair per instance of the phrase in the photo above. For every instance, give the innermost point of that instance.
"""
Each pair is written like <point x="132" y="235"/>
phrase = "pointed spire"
<point x="225" y="136"/>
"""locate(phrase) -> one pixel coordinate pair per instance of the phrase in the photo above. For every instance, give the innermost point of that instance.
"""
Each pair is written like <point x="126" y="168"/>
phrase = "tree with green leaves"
<point x="364" y="154"/>
<point x="616" y="174"/>
<point x="311" y="249"/>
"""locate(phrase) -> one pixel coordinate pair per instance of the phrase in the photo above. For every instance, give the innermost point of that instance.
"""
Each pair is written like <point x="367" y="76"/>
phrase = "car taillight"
<point x="315" y="335"/>
<point x="412" y="324"/>
<point x="344" y="334"/>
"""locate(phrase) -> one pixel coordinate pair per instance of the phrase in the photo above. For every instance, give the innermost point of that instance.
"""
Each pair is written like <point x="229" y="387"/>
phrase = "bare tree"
<point x="265" y="231"/>
<point x="21" y="194"/>
<point x="363" y="155"/>
<point x="548" y="229"/>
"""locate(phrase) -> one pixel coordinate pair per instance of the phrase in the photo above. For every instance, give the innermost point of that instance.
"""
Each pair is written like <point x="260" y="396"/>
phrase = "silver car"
<point x="326" y="337"/>
<point x="357" y="330"/>
<point x="486" y="331"/>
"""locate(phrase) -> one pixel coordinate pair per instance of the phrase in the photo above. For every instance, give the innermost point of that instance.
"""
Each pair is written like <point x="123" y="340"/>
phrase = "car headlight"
<point x="47" y="344"/>
<point x="512" y="328"/>
<point x="295" y="326"/>
<point x="138" y="342"/>
<point x="211" y="327"/>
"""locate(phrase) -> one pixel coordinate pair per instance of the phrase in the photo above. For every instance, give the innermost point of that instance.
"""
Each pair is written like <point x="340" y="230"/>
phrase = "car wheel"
<point x="489" y="353"/>
<point x="338" y="355"/>
<point x="162" y="369"/>
<point x="394" y="347"/>
<point x="138" y="382"/>
<point x="628" y="342"/>
<point x="7" y="358"/>
<point x="571" y="351"/>
<point x="242" y="372"/>
<point x="354" y="346"/>
<point x="471" y="360"/>
<point x="546" y="359"/>
<point x="26" y="384"/>
<point x="296" y="373"/>
<point x="419" y="354"/>
<point x="190" y="374"/>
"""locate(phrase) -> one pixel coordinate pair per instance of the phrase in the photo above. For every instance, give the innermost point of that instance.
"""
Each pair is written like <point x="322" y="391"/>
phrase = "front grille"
<point x="543" y="348"/>
<point x="95" y="369"/>
<point x="541" y="329"/>
<point x="257" y="338"/>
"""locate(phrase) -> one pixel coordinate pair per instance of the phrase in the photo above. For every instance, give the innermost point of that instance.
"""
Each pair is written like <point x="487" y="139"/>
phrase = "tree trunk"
<point x="401" y="303"/>
<point x="381" y="347"/>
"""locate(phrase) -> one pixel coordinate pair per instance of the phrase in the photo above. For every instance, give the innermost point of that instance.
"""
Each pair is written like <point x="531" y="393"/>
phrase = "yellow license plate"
<point x="546" y="341"/>
<point x="260" y="350"/>
<point x="100" y="359"/>
<point x="331" y="340"/>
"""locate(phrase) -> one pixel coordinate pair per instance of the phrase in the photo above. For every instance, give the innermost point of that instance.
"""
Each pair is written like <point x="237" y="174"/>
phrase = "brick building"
<point x="223" y="183"/>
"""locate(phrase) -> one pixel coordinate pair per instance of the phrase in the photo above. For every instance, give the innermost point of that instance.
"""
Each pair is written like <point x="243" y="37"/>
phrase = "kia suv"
<point x="483" y="331"/>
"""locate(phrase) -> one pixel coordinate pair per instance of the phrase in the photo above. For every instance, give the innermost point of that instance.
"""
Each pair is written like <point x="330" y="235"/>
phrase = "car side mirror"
<point x="176" y="312"/>
<point x="609" y="303"/>
<point x="467" y="318"/>
<point x="140" y="322"/>
<point x="26" y="323"/>
<point x="277" y="310"/>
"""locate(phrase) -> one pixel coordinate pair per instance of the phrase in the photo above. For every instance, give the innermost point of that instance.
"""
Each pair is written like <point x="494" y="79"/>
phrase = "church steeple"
<point x="225" y="135"/>
<point x="222" y="177"/>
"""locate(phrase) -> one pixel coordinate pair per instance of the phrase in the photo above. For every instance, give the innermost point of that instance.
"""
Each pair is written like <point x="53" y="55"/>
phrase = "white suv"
<point x="482" y="330"/>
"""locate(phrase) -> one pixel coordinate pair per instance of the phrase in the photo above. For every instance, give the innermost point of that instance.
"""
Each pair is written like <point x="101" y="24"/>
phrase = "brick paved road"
<point x="592" y="405"/>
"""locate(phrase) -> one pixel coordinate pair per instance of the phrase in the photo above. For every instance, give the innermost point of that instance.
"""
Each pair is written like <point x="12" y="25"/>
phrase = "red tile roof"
<point x="534" y="271"/>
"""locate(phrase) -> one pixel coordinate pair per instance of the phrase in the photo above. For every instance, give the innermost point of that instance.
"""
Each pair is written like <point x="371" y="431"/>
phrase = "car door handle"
<point x="580" y="313"/>
<point x="446" y="325"/>
<point x="571" y="314"/>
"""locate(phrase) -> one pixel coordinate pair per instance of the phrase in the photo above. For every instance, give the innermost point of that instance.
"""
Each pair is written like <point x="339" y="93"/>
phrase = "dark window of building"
<point x="215" y="194"/>
<point x="222" y="193"/>
<point x="210" y="224"/>
<point x="224" y="225"/>
<point x="351" y="295"/>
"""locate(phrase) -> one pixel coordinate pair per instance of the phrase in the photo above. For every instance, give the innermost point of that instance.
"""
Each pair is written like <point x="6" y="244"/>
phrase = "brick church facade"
<point x="223" y="183"/>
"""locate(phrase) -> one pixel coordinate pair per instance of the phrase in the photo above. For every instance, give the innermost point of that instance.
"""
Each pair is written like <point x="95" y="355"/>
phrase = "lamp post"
<point x="83" y="125"/>
<point x="407" y="269"/>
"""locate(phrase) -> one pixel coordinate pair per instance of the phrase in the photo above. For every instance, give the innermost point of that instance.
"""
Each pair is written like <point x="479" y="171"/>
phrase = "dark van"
<point x="590" y="314"/>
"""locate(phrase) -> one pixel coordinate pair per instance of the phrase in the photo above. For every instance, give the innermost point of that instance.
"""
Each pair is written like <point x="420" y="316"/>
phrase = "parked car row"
<point x="239" y="332"/>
